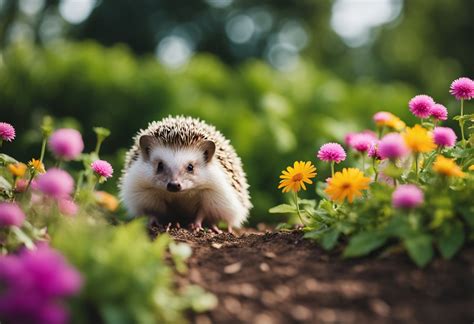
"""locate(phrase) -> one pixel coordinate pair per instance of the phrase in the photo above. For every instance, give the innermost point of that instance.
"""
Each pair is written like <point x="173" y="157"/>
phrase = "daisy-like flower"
<point x="7" y="132"/>
<point x="462" y="88"/>
<point x="396" y="123"/>
<point x="102" y="168"/>
<point x="421" y="105"/>
<point x="331" y="152"/>
<point x="444" y="136"/>
<point x="407" y="196"/>
<point x="347" y="184"/>
<point x="294" y="178"/>
<point x="418" y="139"/>
<point x="447" y="167"/>
<point x="439" y="112"/>
<point x="37" y="166"/>
<point x="17" y="169"/>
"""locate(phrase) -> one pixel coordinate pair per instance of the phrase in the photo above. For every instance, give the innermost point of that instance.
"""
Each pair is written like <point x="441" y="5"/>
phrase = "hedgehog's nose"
<point x="173" y="186"/>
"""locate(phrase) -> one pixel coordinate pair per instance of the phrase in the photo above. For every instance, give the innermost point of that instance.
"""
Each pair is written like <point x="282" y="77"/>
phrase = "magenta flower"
<point x="420" y="106"/>
<point x="67" y="207"/>
<point x="407" y="196"/>
<point x="33" y="284"/>
<point x="373" y="152"/>
<point x="331" y="152"/>
<point x="11" y="215"/>
<point x="7" y="132"/>
<point x="462" y="88"/>
<point x="444" y="136"/>
<point x="66" y="143"/>
<point x="56" y="183"/>
<point x="439" y="112"/>
<point x="382" y="117"/>
<point x="392" y="146"/>
<point x="102" y="168"/>
<point x="348" y="138"/>
<point x="362" y="142"/>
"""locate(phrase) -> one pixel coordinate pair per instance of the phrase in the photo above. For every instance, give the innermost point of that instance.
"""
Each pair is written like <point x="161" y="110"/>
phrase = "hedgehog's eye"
<point x="190" y="168"/>
<point x="160" y="167"/>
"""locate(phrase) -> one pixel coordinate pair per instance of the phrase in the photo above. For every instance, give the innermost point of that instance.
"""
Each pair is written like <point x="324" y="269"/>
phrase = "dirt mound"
<point x="277" y="277"/>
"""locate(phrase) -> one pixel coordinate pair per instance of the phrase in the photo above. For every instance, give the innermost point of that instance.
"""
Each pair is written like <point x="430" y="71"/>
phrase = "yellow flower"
<point x="395" y="123"/>
<point x="347" y="183"/>
<point x="294" y="178"/>
<point x="471" y="167"/>
<point x="106" y="200"/>
<point x="17" y="169"/>
<point x="419" y="140"/>
<point x="37" y="166"/>
<point x="447" y="167"/>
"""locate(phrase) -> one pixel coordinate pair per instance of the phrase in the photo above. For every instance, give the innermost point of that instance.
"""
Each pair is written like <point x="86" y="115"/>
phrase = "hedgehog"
<point x="181" y="170"/>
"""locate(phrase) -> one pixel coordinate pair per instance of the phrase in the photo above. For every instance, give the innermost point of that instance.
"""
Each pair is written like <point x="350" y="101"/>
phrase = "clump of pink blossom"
<point x="67" y="207"/>
<point x="102" y="168"/>
<point x="382" y="117"/>
<point x="66" y="144"/>
<point x="462" y="88"/>
<point x="373" y="151"/>
<point x="331" y="152"/>
<point x="392" y="146"/>
<point x="421" y="105"/>
<point x="407" y="196"/>
<point x="56" y="183"/>
<point x="7" y="132"/>
<point x="11" y="215"/>
<point x="439" y="112"/>
<point x="444" y="136"/>
<point x="362" y="142"/>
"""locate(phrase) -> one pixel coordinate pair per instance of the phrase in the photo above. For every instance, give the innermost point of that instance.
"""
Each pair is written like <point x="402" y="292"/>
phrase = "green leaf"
<point x="451" y="240"/>
<point x="364" y="243"/>
<point x="419" y="249"/>
<point x="329" y="238"/>
<point x="307" y="202"/>
<point x="4" y="184"/>
<point x="283" y="209"/>
<point x="6" y="159"/>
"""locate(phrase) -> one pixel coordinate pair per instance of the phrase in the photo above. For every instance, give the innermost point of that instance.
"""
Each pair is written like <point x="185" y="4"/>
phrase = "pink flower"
<point x="102" y="168"/>
<point x="373" y="152"/>
<point x="11" y="214"/>
<point x="421" y="105"/>
<point x="392" y="146"/>
<point x="382" y="117"/>
<point x="462" y="88"/>
<point x="439" y="112"/>
<point x="407" y="196"/>
<point x="67" y="207"/>
<point x="66" y="143"/>
<point x="7" y="132"/>
<point x="348" y="139"/>
<point x="331" y="152"/>
<point x="56" y="183"/>
<point x="444" y="136"/>
<point x="362" y="142"/>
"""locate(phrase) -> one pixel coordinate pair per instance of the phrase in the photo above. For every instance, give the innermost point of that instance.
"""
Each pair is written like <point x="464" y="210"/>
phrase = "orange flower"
<point x="294" y="178"/>
<point x="347" y="184"/>
<point x="106" y="200"/>
<point x="37" y="166"/>
<point x="17" y="169"/>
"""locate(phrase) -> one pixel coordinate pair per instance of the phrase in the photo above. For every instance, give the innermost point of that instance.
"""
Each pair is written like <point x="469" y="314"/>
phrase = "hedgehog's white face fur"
<point x="176" y="170"/>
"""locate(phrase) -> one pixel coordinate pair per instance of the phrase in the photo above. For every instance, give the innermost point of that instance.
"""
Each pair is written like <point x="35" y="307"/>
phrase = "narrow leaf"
<point x="283" y="209"/>
<point x="419" y="249"/>
<point x="364" y="243"/>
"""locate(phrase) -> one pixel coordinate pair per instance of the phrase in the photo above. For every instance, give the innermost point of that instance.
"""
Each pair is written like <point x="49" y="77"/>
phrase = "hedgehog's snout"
<point x="173" y="186"/>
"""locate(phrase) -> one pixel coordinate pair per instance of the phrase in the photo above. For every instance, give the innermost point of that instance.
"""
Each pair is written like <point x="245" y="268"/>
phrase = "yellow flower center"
<point x="297" y="177"/>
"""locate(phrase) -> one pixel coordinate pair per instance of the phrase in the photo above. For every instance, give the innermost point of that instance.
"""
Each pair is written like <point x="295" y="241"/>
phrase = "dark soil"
<point x="277" y="277"/>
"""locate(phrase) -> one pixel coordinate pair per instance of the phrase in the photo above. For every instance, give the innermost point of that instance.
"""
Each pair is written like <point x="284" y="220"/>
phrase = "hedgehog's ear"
<point x="208" y="148"/>
<point x="146" y="142"/>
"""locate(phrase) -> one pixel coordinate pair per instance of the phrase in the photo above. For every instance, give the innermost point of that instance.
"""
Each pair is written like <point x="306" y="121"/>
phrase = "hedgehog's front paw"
<point x="196" y="226"/>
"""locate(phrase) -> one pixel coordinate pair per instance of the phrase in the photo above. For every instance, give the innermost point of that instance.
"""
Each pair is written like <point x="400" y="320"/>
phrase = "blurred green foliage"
<point x="272" y="118"/>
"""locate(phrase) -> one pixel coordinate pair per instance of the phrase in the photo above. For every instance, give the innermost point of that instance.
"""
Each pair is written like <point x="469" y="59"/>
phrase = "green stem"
<point x="416" y="165"/>
<point x="363" y="162"/>
<point x="374" y="166"/>
<point x="332" y="169"/>
<point x="97" y="146"/>
<point x="461" y="124"/>
<point x="298" y="208"/>
<point x="43" y="149"/>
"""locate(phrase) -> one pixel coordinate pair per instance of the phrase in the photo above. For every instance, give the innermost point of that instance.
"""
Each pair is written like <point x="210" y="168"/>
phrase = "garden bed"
<point x="278" y="277"/>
